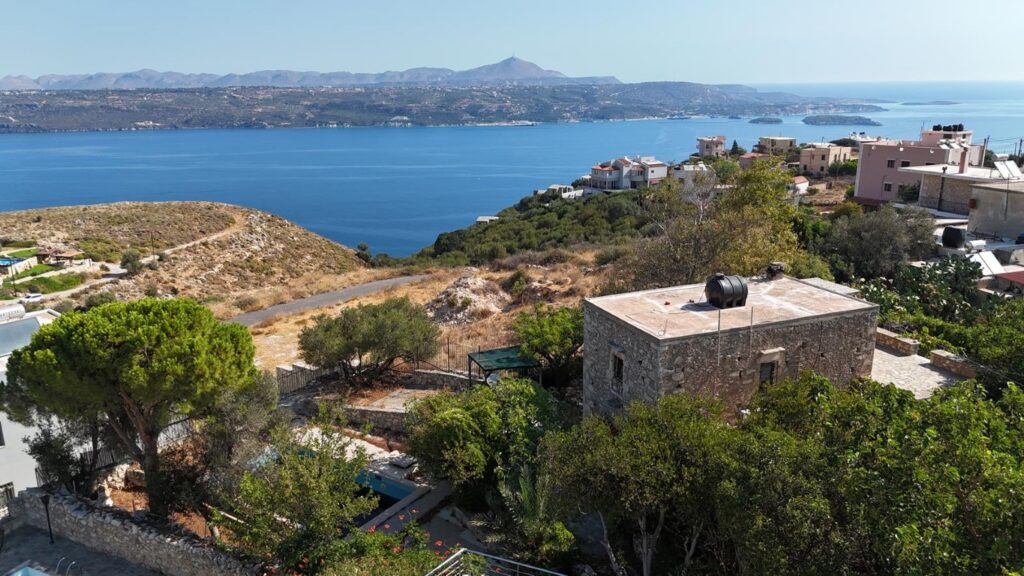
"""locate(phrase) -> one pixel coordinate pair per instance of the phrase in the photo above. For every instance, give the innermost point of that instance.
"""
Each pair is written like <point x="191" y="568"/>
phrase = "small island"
<point x="839" y="120"/>
<point x="931" y="103"/>
<point x="766" y="120"/>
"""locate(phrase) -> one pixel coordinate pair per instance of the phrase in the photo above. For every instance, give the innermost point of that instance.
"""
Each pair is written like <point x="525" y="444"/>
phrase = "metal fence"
<point x="110" y="456"/>
<point x="453" y="354"/>
<point x="299" y="376"/>
<point x="469" y="563"/>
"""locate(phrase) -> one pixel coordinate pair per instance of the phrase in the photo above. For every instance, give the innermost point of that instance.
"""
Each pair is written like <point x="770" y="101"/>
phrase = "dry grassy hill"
<point x="231" y="257"/>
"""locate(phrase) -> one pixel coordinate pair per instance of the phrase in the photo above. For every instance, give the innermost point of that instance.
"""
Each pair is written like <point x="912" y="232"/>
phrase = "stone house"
<point x="645" y="345"/>
<point x="948" y="187"/>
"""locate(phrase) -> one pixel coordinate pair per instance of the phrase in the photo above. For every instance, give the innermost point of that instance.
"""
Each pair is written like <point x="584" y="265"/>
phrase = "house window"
<point x="904" y="163"/>
<point x="887" y="187"/>
<point x="890" y="163"/>
<point x="618" y="368"/>
<point x="766" y="374"/>
<point x="822" y="157"/>
<point x="6" y="495"/>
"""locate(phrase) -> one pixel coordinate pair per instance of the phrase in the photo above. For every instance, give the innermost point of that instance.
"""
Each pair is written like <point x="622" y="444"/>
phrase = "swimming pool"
<point x="389" y="487"/>
<point x="9" y="261"/>
<point x="26" y="571"/>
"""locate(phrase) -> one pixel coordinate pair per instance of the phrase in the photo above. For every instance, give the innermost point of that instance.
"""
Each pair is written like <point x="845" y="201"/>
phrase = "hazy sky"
<point x="704" y="41"/>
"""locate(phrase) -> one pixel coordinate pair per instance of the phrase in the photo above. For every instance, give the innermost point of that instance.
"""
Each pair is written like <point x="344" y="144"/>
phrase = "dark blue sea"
<point x="397" y="188"/>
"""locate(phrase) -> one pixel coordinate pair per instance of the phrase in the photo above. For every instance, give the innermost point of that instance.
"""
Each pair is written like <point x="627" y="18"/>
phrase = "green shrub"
<point x="611" y="254"/>
<point x="52" y="284"/>
<point x="247" y="303"/>
<point x="100" y="249"/>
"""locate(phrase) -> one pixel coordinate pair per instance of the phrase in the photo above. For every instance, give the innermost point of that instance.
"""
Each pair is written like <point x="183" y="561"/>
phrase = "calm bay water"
<point x="397" y="188"/>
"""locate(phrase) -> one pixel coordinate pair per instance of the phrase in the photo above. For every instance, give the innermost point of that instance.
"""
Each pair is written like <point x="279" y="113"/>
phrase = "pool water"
<point x="9" y="261"/>
<point x="26" y="571"/>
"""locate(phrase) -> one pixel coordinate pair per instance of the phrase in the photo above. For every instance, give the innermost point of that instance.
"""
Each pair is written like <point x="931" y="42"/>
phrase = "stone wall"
<point x="376" y="418"/>
<point x="896" y="343"/>
<point x="113" y="532"/>
<point x="725" y="366"/>
<point x="953" y="363"/>
<point x="955" y="193"/>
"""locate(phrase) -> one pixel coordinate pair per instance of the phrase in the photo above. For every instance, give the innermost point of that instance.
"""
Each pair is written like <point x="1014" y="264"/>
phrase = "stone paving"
<point x="396" y="400"/>
<point x="914" y="373"/>
<point x="27" y="544"/>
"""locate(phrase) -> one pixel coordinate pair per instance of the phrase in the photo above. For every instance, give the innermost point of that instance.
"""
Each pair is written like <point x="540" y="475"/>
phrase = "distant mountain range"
<point x="510" y="71"/>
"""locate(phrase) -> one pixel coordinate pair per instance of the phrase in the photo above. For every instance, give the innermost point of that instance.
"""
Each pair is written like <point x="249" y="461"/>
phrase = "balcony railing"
<point x="469" y="563"/>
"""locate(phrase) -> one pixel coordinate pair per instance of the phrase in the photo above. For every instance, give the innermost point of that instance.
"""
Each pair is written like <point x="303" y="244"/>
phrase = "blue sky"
<point x="748" y="41"/>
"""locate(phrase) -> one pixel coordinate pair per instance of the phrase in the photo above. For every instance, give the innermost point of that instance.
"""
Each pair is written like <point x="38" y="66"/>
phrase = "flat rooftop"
<point x="973" y="173"/>
<point x="682" y="311"/>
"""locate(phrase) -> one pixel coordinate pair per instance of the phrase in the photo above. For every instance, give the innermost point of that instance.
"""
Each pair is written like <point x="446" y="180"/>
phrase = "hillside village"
<point x="794" y="359"/>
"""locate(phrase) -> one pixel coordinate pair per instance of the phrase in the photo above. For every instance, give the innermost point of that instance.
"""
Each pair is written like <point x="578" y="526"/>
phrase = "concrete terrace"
<point x="914" y="373"/>
<point x="27" y="544"/>
<point x="683" y="311"/>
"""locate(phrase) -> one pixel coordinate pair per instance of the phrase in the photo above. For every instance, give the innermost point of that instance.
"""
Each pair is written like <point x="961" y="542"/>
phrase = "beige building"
<point x="775" y="145"/>
<point x="816" y="158"/>
<point x="711" y="146"/>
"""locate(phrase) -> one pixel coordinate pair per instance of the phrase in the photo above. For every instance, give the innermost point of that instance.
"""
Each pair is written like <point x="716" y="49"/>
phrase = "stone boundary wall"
<point x="116" y="534"/>
<point x="897" y="343"/>
<point x="953" y="363"/>
<point x="377" y="418"/>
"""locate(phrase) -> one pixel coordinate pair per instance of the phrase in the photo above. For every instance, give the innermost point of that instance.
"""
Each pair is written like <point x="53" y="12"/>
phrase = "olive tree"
<point x="365" y="341"/>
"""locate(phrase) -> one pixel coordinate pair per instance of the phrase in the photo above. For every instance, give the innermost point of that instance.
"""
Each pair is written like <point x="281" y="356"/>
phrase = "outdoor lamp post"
<point x="45" y="498"/>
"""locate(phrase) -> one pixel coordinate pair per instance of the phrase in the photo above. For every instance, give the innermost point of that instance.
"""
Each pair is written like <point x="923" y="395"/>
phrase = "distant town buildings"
<point x="879" y="174"/>
<point x="645" y="345"/>
<point x="565" y="191"/>
<point x="949" y="187"/>
<point x="775" y="145"/>
<point x="711" y="146"/>
<point x="627" y="173"/>
<point x="816" y="158"/>
<point x="747" y="160"/>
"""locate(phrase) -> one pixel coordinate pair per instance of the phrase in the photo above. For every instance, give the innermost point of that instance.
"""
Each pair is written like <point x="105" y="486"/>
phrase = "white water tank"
<point x="12" y="312"/>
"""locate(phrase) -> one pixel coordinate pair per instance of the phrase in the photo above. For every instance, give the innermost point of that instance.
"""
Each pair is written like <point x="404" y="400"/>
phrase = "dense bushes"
<point x="816" y="480"/>
<point x="539" y="223"/>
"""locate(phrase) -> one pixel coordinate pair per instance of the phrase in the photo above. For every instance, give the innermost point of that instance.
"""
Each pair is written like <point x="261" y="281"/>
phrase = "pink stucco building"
<point x="878" y="170"/>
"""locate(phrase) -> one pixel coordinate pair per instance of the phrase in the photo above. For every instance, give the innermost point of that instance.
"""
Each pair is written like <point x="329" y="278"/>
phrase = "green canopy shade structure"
<point x="500" y="360"/>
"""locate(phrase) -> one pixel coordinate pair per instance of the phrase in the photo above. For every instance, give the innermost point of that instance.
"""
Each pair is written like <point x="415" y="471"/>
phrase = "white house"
<point x="799" y="186"/>
<point x="689" y="174"/>
<point x="626" y="173"/>
<point x="17" y="468"/>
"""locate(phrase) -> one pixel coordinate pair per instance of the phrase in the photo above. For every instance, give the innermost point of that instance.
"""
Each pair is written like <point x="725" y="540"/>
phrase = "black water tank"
<point x="954" y="237"/>
<point x="1020" y="238"/>
<point x="726" y="291"/>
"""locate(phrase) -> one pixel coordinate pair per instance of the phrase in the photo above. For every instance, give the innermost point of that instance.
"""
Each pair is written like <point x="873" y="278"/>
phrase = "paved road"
<point x="325" y="299"/>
